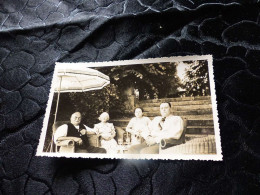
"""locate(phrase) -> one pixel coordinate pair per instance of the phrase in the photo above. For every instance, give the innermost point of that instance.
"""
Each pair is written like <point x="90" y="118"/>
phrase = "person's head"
<point x="138" y="112"/>
<point x="104" y="117"/>
<point x="165" y="109"/>
<point x="75" y="118"/>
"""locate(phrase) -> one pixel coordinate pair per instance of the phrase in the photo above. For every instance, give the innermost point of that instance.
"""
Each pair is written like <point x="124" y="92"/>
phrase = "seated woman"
<point x="138" y="127"/>
<point x="107" y="133"/>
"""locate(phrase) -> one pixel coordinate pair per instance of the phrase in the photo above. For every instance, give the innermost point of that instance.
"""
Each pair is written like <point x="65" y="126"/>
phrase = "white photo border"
<point x="215" y="157"/>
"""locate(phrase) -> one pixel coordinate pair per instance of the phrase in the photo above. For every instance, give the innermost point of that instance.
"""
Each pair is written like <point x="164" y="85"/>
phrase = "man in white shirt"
<point x="165" y="126"/>
<point x="78" y="133"/>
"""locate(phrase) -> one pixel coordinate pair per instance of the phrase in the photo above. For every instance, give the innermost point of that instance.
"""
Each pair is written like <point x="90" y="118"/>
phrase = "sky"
<point x="181" y="70"/>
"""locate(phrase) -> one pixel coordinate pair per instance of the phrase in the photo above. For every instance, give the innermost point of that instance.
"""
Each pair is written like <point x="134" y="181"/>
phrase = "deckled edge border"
<point x="213" y="157"/>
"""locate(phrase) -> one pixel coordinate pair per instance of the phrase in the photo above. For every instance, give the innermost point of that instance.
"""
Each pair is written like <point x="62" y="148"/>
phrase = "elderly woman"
<point x="107" y="132"/>
<point x="138" y="127"/>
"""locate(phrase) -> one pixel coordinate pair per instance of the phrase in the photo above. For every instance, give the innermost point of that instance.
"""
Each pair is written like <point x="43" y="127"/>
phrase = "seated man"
<point x="78" y="131"/>
<point x="165" y="126"/>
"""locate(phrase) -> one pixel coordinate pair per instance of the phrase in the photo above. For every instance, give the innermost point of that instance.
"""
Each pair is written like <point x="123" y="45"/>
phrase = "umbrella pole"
<point x="55" y="116"/>
<point x="58" y="100"/>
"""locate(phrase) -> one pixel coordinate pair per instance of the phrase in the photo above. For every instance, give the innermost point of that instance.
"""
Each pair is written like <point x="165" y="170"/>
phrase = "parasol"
<point x="71" y="77"/>
<point x="78" y="78"/>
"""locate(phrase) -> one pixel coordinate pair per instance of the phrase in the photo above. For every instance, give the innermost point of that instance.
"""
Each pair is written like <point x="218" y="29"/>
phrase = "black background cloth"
<point x="34" y="34"/>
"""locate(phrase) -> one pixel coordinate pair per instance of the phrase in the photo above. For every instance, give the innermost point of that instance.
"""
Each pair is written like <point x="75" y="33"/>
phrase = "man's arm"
<point x="61" y="134"/>
<point x="61" y="131"/>
<point x="154" y="129"/>
<point x="146" y="132"/>
<point x="90" y="130"/>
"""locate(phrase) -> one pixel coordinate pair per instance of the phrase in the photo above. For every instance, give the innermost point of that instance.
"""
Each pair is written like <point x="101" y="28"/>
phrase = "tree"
<point x="92" y="103"/>
<point x="157" y="80"/>
<point x="197" y="78"/>
<point x="152" y="80"/>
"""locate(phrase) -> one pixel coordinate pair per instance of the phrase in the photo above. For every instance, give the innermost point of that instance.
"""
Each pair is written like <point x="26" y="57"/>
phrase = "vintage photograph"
<point x="161" y="108"/>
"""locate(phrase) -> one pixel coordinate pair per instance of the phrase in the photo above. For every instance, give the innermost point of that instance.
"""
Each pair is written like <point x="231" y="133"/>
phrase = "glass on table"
<point x="120" y="141"/>
<point x="128" y="141"/>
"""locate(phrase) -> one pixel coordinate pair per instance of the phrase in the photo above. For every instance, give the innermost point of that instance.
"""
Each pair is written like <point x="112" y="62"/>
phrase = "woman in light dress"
<point x="107" y="133"/>
<point x="138" y="127"/>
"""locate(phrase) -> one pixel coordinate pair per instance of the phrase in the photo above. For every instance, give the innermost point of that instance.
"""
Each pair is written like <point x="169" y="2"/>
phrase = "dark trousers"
<point x="90" y="149"/>
<point x="93" y="149"/>
<point x="143" y="148"/>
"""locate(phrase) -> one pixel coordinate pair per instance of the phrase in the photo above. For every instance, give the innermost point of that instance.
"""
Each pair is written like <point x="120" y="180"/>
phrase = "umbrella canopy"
<point x="78" y="78"/>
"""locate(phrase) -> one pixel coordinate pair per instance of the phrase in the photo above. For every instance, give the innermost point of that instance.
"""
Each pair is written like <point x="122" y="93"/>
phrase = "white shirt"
<point x="105" y="129"/>
<point x="172" y="127"/>
<point x="62" y="131"/>
<point x="139" y="126"/>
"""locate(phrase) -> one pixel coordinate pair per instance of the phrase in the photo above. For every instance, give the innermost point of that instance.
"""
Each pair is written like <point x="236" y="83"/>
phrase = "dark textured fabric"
<point x="34" y="34"/>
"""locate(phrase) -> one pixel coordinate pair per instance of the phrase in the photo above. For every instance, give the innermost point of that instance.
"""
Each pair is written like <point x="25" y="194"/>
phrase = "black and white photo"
<point x="161" y="108"/>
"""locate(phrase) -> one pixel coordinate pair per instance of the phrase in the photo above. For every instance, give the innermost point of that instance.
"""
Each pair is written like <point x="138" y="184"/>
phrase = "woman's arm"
<point x="129" y="127"/>
<point x="96" y="129"/>
<point x="113" y="131"/>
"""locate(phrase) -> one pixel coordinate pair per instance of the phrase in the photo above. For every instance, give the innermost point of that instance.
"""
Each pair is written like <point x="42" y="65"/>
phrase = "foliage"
<point x="152" y="80"/>
<point x="92" y="103"/>
<point x="197" y="78"/>
<point x="158" y="80"/>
